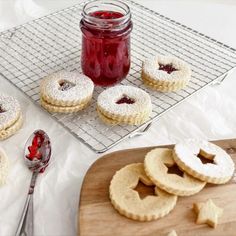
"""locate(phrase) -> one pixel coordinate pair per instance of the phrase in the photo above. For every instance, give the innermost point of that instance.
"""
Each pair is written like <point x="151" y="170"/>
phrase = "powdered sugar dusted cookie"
<point x="66" y="89"/>
<point x="191" y="155"/>
<point x="11" y="130"/>
<point x="124" y="104"/>
<point x="4" y="166"/>
<point x="165" y="73"/>
<point x="160" y="167"/>
<point x="9" y="111"/>
<point x="128" y="202"/>
<point x="11" y="119"/>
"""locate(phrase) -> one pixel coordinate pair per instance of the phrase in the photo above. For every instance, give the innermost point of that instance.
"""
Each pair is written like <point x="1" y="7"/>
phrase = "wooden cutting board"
<point x="98" y="217"/>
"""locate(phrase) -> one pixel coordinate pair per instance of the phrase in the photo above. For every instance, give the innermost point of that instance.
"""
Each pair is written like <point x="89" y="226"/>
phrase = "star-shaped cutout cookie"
<point x="172" y="233"/>
<point x="208" y="213"/>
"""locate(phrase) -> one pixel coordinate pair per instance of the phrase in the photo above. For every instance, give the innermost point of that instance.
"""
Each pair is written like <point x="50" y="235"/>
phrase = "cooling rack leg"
<point x="141" y="132"/>
<point x="223" y="77"/>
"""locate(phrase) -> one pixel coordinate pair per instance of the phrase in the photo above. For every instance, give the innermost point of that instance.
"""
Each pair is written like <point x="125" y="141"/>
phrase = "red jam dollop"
<point x="105" y="56"/>
<point x="126" y="100"/>
<point x="1" y="109"/>
<point x="65" y="85"/>
<point x="167" y="68"/>
<point x="106" y="14"/>
<point x="34" y="149"/>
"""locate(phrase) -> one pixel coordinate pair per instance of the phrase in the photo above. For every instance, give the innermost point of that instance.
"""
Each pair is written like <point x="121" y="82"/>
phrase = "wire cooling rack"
<point x="52" y="43"/>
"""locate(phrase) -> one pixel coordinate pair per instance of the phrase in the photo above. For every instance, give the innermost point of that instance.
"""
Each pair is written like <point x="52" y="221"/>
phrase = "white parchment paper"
<point x="210" y="114"/>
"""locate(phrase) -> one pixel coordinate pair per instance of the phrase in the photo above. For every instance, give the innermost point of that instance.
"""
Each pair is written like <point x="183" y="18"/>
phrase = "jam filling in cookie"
<point x="168" y="68"/>
<point x="1" y="109"/>
<point x="66" y="85"/>
<point x="125" y="99"/>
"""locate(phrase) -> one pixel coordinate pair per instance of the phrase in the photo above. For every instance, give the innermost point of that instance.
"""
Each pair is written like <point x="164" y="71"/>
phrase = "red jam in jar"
<point x="106" y="26"/>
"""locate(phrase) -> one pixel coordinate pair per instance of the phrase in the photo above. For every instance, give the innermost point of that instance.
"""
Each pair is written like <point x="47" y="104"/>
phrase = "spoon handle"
<point x="25" y="226"/>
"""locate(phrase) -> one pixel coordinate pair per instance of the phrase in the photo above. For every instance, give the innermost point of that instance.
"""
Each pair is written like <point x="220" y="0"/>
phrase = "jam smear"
<point x="167" y="68"/>
<point x="1" y="109"/>
<point x="66" y="85"/>
<point x="34" y="149"/>
<point x="125" y="99"/>
<point x="105" y="54"/>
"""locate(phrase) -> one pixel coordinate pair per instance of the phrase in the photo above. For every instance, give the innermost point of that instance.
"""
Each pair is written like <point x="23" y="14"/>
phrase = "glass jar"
<point x="106" y="26"/>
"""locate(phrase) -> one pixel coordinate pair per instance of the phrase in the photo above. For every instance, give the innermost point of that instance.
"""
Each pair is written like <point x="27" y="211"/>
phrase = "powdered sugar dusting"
<point x="107" y="100"/>
<point x="83" y="86"/>
<point x="11" y="112"/>
<point x="151" y="68"/>
<point x="222" y="167"/>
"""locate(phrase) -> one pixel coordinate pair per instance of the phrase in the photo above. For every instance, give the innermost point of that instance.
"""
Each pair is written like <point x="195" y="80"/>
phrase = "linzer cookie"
<point x="4" y="166"/>
<point x="203" y="160"/>
<point x="10" y="116"/>
<point x="66" y="92"/>
<point x="160" y="167"/>
<point x="124" y="105"/>
<point x="126" y="199"/>
<point x="165" y="73"/>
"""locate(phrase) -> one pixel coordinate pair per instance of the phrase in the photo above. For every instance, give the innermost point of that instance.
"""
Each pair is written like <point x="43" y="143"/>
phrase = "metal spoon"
<point x="25" y="226"/>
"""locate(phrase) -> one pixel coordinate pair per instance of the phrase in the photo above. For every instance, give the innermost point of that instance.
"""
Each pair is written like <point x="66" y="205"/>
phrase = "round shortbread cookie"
<point x="124" y="103"/>
<point x="218" y="172"/>
<point x="62" y="109"/>
<point x="9" y="111"/>
<point x="156" y="165"/>
<point x="128" y="202"/>
<point x="11" y="130"/>
<point x="66" y="88"/>
<point x="165" y="73"/>
<point x="4" y="166"/>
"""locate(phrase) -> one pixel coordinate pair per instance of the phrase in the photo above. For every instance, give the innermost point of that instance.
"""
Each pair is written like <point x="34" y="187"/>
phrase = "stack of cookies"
<point x="66" y="92"/>
<point x="10" y="116"/>
<point x="183" y="171"/>
<point x="124" y="105"/>
<point x="165" y="73"/>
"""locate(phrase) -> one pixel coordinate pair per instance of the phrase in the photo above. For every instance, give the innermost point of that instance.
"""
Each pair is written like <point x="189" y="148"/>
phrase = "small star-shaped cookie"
<point x="172" y="233"/>
<point x="207" y="212"/>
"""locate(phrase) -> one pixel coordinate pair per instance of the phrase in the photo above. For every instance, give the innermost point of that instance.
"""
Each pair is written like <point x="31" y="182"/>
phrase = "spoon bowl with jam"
<point x="37" y="155"/>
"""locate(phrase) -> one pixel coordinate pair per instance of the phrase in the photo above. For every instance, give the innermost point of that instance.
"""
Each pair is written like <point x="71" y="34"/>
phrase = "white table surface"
<point x="210" y="114"/>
